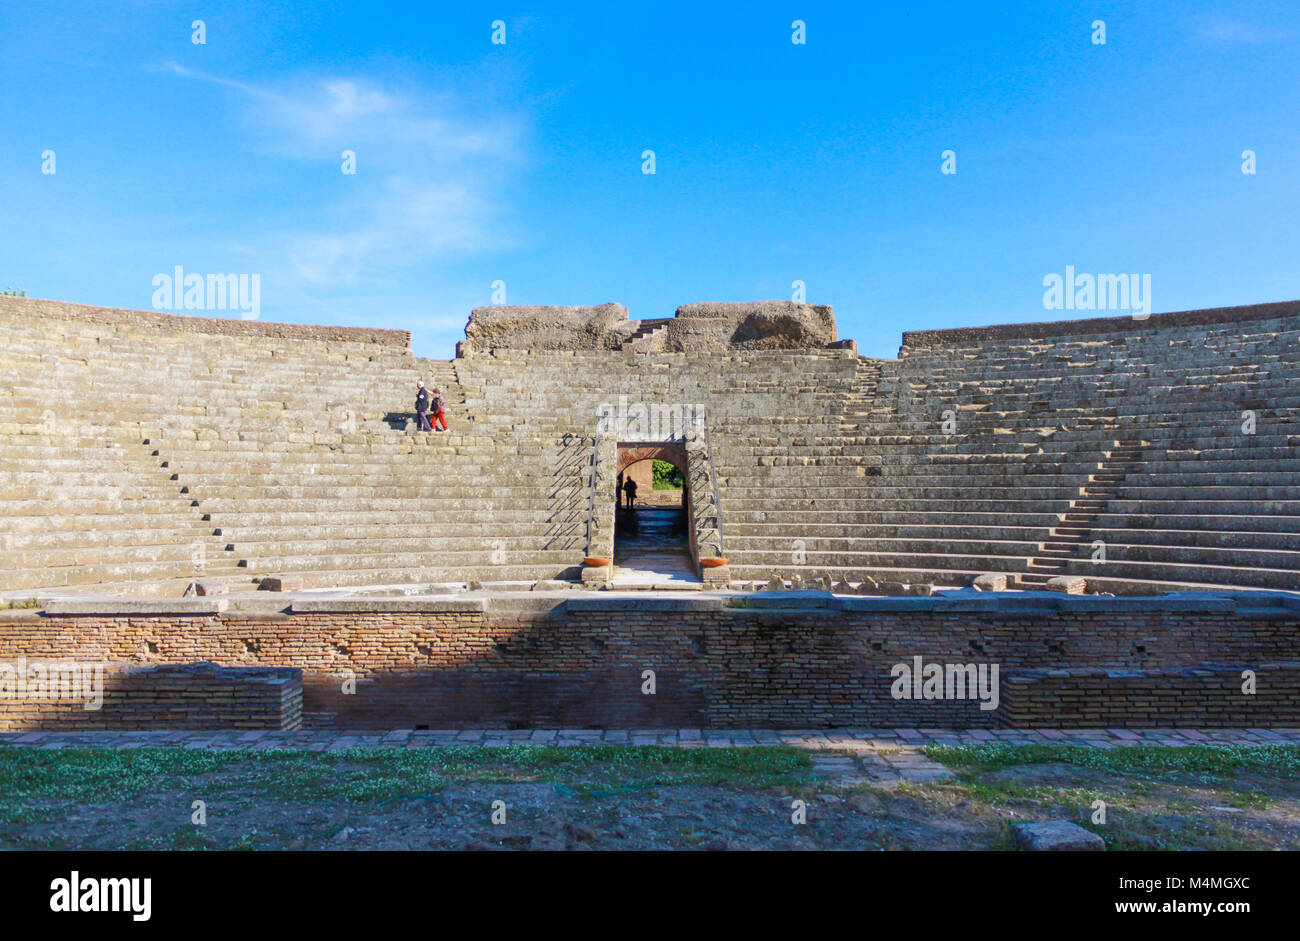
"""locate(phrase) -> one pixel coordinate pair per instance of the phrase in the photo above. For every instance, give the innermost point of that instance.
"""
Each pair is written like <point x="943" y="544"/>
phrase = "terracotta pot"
<point x="596" y="561"/>
<point x="713" y="563"/>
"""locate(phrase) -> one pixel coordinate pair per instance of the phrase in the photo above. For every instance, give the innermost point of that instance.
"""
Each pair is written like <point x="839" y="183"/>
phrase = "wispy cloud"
<point x="1237" y="31"/>
<point x="433" y="173"/>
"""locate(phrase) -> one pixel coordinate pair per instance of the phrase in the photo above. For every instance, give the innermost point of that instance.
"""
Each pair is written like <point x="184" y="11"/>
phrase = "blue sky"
<point x="775" y="162"/>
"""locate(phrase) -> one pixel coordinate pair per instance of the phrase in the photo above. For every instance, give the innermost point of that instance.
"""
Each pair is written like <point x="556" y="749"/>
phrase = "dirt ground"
<point x="612" y="799"/>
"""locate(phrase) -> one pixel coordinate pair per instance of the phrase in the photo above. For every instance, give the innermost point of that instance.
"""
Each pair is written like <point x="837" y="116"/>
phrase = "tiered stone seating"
<point x="1180" y="494"/>
<point x="82" y="510"/>
<point x="279" y="456"/>
<point x="285" y="450"/>
<point x="1059" y="441"/>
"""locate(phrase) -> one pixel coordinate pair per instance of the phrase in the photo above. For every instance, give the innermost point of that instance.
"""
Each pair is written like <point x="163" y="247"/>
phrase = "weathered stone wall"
<point x="214" y="326"/>
<point x="823" y="662"/>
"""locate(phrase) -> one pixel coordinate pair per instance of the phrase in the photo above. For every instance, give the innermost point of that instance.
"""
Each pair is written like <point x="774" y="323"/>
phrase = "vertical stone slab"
<point x="706" y="533"/>
<point x="603" y="497"/>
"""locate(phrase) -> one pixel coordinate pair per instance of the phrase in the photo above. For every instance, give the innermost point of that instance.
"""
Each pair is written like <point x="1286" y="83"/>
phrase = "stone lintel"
<point x="395" y="605"/>
<point x="135" y="607"/>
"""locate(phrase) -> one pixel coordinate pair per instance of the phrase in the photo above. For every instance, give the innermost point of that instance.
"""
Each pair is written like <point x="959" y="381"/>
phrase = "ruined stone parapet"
<point x="547" y="327"/>
<point x="750" y="325"/>
<point x="916" y="341"/>
<point x="116" y="320"/>
<point x="701" y="327"/>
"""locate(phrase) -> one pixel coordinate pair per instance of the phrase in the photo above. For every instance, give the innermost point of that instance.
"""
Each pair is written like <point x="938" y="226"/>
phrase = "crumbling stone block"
<point x="1055" y="835"/>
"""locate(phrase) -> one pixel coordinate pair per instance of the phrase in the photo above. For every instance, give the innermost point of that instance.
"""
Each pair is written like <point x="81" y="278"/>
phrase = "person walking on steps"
<point x="437" y="406"/>
<point x="629" y="491"/>
<point x="422" y="406"/>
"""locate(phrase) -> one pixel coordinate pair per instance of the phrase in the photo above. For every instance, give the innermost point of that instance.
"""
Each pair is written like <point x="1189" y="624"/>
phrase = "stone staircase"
<point x="644" y="339"/>
<point x="1071" y="539"/>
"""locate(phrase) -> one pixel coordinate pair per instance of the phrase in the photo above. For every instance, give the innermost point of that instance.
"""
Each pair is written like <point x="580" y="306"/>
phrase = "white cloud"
<point x="433" y="174"/>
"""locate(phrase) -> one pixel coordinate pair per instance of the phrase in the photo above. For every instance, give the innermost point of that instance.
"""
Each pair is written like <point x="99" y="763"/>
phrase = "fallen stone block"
<point x="1070" y="584"/>
<point x="198" y="589"/>
<point x="551" y="584"/>
<point x="1056" y="835"/>
<point x="280" y="583"/>
<point x="990" y="582"/>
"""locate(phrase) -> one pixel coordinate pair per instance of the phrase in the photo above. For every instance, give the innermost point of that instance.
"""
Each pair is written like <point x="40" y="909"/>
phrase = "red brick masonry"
<point x="782" y="660"/>
<point x="1204" y="697"/>
<point x="195" y="697"/>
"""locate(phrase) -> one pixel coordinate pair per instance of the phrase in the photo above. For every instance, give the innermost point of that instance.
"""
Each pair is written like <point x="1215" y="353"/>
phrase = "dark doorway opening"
<point x="652" y="526"/>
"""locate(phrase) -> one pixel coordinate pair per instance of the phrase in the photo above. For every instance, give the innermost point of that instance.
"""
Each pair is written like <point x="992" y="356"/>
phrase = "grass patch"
<point x="1277" y="760"/>
<point x="1247" y="800"/>
<point x="15" y="604"/>
<point x="374" y="774"/>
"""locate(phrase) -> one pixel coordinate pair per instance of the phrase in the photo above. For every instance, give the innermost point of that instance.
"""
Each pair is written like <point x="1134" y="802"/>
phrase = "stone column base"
<point x="596" y="576"/>
<point x="718" y="577"/>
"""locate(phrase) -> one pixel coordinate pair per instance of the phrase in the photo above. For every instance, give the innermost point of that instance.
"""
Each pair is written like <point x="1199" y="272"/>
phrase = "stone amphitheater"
<point x="1072" y="499"/>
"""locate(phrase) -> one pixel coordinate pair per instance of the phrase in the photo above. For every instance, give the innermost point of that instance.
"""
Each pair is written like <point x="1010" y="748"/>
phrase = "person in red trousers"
<point x="437" y="411"/>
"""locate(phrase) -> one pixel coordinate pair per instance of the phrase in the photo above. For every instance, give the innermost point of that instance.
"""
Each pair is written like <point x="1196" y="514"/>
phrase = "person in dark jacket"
<point x="629" y="491"/>
<point x="422" y="406"/>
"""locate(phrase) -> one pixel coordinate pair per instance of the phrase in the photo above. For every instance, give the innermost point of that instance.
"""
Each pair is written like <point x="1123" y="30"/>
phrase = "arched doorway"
<point x="652" y="530"/>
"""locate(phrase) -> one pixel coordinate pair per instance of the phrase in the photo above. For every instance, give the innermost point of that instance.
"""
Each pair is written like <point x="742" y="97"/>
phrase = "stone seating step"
<point x="237" y="521"/>
<point x="20" y="559"/>
<point x="327" y="490"/>
<point x="1232" y="556"/>
<point x="933" y="561"/>
<point x="1241" y="523"/>
<point x="119" y="532"/>
<point x="1188" y="573"/>
<point x="324" y="577"/>
<point x="412" y="557"/>
<point x="954" y="578"/>
<point x="105" y="572"/>
<point x="531" y="544"/>
<point x="739" y="544"/>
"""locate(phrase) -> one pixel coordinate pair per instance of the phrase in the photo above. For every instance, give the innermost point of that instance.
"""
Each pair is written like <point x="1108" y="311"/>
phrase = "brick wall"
<point x="581" y="664"/>
<point x="1202" y="697"/>
<point x="198" y="696"/>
